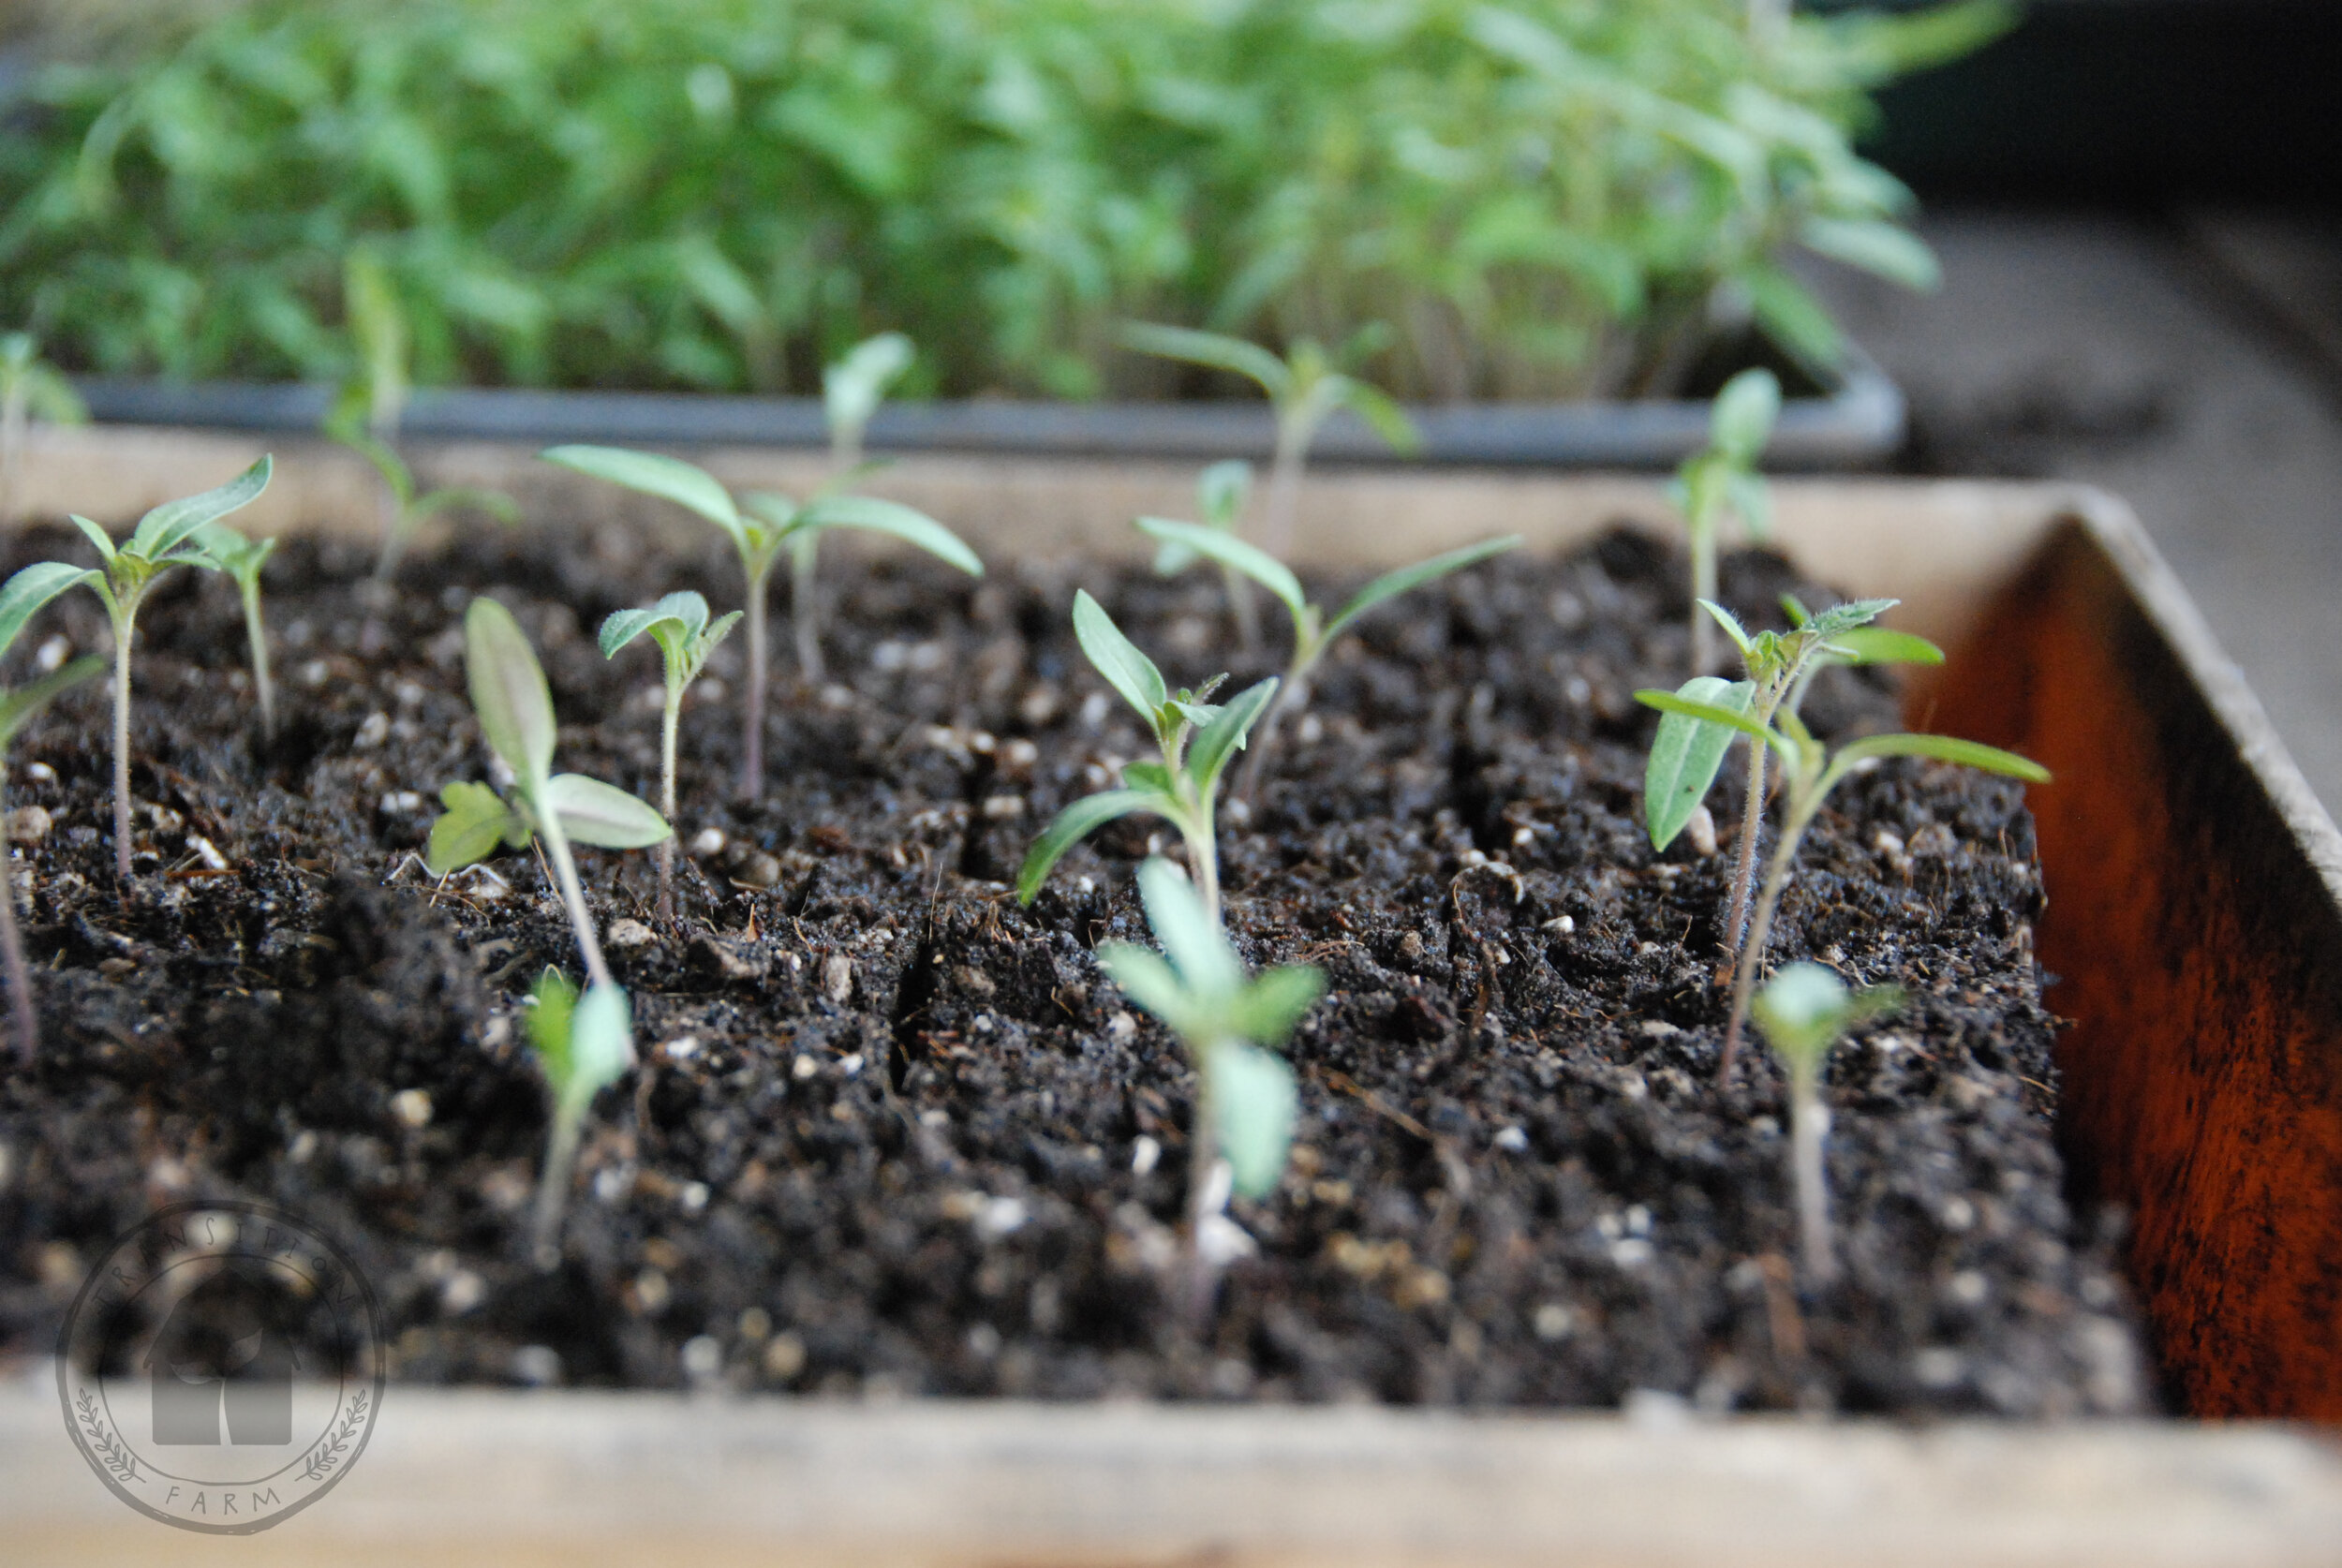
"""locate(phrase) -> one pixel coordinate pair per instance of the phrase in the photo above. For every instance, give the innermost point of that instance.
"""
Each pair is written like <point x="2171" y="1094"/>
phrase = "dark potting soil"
<point x="892" y="1132"/>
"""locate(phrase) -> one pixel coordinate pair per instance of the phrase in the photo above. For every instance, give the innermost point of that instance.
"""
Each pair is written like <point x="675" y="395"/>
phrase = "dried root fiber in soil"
<point x="893" y="1133"/>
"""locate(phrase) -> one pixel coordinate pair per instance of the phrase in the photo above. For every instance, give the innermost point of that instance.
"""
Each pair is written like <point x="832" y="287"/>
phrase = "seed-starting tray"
<point x="2195" y="919"/>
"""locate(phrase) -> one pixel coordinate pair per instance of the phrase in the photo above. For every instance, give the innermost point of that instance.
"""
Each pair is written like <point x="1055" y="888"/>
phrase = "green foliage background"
<point x="1538" y="197"/>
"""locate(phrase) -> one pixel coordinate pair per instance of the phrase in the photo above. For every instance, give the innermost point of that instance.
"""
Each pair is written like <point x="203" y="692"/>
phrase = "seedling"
<point x="404" y="509"/>
<point x="230" y="553"/>
<point x="1221" y="491"/>
<point x="515" y="709"/>
<point x="1685" y="753"/>
<point x="1723" y="480"/>
<point x="166" y="537"/>
<point x="585" y="1044"/>
<point x="1810" y="772"/>
<point x="760" y="524"/>
<point x="30" y="389"/>
<point x="1245" y="1098"/>
<point x="17" y="708"/>
<point x="679" y="625"/>
<point x="1313" y="634"/>
<point x="1196" y="739"/>
<point x="1305" y="389"/>
<point x="1804" y="1011"/>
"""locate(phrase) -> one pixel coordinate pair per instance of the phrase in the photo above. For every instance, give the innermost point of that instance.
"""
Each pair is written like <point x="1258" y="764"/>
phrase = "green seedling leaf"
<point x="1214" y="350"/>
<point x="1150" y="775"/>
<point x="683" y="615"/>
<point x="1407" y="579"/>
<point x="1751" y="498"/>
<point x="1877" y="645"/>
<point x="1148" y="980"/>
<point x="475" y="825"/>
<point x="227" y="549"/>
<point x="169" y="526"/>
<point x="1268" y="1009"/>
<point x="462" y="498"/>
<point x="602" y="1043"/>
<point x="1710" y="713"/>
<point x="908" y="523"/>
<point x="855" y="386"/>
<point x="97" y="535"/>
<point x="1741" y="424"/>
<point x="670" y="478"/>
<point x="1806" y="1008"/>
<point x="1845" y="617"/>
<point x="1885" y="249"/>
<point x="1255" y="1101"/>
<point x="24" y="594"/>
<point x="1192" y="539"/>
<point x="1118" y="658"/>
<point x="1685" y="754"/>
<point x="1221" y="491"/>
<point x="1382" y="414"/>
<point x="1223" y="736"/>
<point x="602" y="815"/>
<point x="1209" y="968"/>
<point x="1943" y="749"/>
<point x="549" y="1020"/>
<point x="509" y="691"/>
<point x="1072" y="825"/>
<point x="1732" y="625"/>
<point x="18" y="707"/>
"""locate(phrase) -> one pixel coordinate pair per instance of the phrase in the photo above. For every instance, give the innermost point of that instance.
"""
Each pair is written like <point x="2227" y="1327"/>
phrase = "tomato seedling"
<point x="679" y="625"/>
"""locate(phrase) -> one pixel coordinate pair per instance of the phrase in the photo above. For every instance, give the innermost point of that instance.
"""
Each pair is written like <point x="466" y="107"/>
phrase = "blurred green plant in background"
<point x="1543" y="197"/>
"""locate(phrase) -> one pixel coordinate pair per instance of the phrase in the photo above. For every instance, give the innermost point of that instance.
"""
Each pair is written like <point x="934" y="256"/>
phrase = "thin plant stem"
<point x="1703" y="545"/>
<point x="124" y="625"/>
<point x="552" y="1190"/>
<point x="20" y="1009"/>
<point x="804" y="604"/>
<point x="257" y="631"/>
<point x="1283" y="500"/>
<point x="1202" y="1155"/>
<point x="666" y="797"/>
<point x="1809" y="1124"/>
<point x="574" y="896"/>
<point x="1241" y="605"/>
<point x="1760" y="932"/>
<point x="1744" y="861"/>
<point x="752" y="699"/>
<point x="1293" y="692"/>
<point x="12" y="448"/>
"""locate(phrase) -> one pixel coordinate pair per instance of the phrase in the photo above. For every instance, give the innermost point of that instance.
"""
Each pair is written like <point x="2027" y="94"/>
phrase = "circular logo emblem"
<point x="222" y="1368"/>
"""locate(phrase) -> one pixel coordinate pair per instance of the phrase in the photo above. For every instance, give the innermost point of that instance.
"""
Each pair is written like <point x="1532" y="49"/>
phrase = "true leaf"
<point x="686" y="613"/>
<point x="476" y="823"/>
<point x="1685" y="754"/>
<point x="509" y="691"/>
<point x="97" y="535"/>
<point x="1845" y="617"/>
<point x="164" y="528"/>
<point x="1730" y="623"/>
<point x="1148" y="980"/>
<point x="1118" y="658"/>
<point x="1223" y="736"/>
